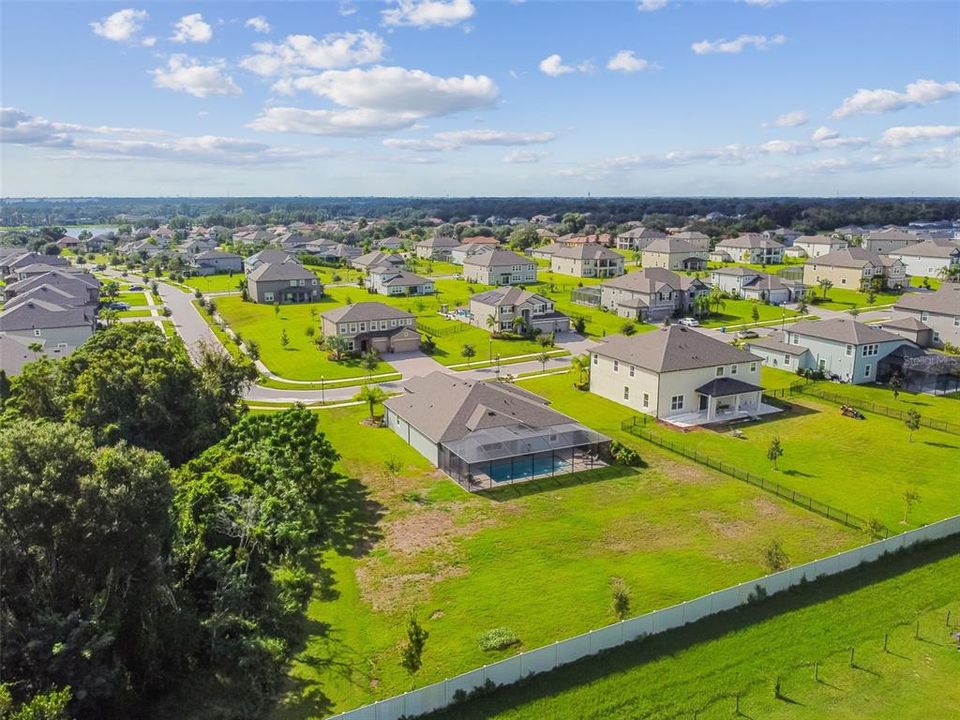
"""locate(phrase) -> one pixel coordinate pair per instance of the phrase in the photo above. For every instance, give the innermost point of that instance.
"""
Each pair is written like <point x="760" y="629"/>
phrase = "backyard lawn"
<point x="215" y="283"/>
<point x="939" y="407"/>
<point x="845" y="299"/>
<point x="696" y="671"/>
<point x="535" y="558"/>
<point x="740" y="312"/>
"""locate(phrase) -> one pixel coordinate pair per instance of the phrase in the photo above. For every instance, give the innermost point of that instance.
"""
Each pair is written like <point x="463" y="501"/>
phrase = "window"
<point x="924" y="316"/>
<point x="936" y="336"/>
<point x="646" y="399"/>
<point x="596" y="359"/>
<point x="720" y="371"/>
<point x="616" y="366"/>
<point x="626" y="392"/>
<point x="866" y="371"/>
<point x="632" y="370"/>
<point x="353" y="327"/>
<point x="363" y="327"/>
<point x="293" y="283"/>
<point x="849" y="350"/>
<point x="733" y="369"/>
<point x="843" y="281"/>
<point x="36" y="333"/>
<point x="786" y="359"/>
<point x="956" y="321"/>
<point x="870" y="350"/>
<point x="753" y="367"/>
<point x="268" y="297"/>
<point x="676" y="402"/>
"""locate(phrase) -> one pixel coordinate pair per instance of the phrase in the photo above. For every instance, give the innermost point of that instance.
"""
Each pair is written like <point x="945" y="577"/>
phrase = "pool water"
<point x="502" y="471"/>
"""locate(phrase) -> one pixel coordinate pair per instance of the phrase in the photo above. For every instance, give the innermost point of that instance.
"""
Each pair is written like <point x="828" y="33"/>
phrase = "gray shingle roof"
<point x="587" y="251"/>
<point x="497" y="258"/>
<point x="945" y="301"/>
<point x="749" y="241"/>
<point x="42" y="314"/>
<point x="287" y="270"/>
<point x="927" y="249"/>
<point x="851" y="257"/>
<point x="670" y="349"/>
<point x="726" y="386"/>
<point x="776" y="341"/>
<point x="649" y="280"/>
<point x="841" y="330"/>
<point x="364" y="312"/>
<point x="671" y="244"/>
<point x="506" y="296"/>
<point x="216" y="255"/>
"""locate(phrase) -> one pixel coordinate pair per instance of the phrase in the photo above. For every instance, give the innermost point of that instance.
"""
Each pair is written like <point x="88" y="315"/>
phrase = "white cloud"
<point x="794" y="118"/>
<point x="524" y="156"/>
<point x="914" y="134"/>
<point x="553" y="66"/>
<point x="299" y="54"/>
<point x="456" y="139"/>
<point x="764" y="3"/>
<point x="824" y="133"/>
<point x="344" y="123"/>
<point x="824" y="137"/>
<point x="192" y="29"/>
<point x="122" y="26"/>
<point x="149" y="41"/>
<point x="258" y="24"/>
<point x="399" y="90"/>
<point x="919" y="93"/>
<point x="626" y="61"/>
<point x="346" y="8"/>
<point x="651" y="5"/>
<point x="429" y="13"/>
<point x="734" y="47"/>
<point x="786" y="147"/>
<point x="185" y="74"/>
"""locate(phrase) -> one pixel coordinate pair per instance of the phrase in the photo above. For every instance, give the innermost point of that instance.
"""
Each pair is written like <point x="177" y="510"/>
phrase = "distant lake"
<point x="74" y="230"/>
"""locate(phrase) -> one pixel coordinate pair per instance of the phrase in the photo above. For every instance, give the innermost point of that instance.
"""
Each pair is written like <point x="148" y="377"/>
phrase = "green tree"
<point x="911" y="496"/>
<point x="896" y="384"/>
<point x="338" y="346"/>
<point x="775" y="451"/>
<point x="523" y="238"/>
<point x="581" y="365"/>
<point x="825" y="286"/>
<point x="775" y="557"/>
<point x="620" y="598"/>
<point x="110" y="289"/>
<point x="755" y="314"/>
<point x="372" y="395"/>
<point x="370" y="361"/>
<point x="284" y="338"/>
<point x="468" y="351"/>
<point x="912" y="421"/>
<point x="544" y="358"/>
<point x="50" y="705"/>
<point x="802" y="307"/>
<point x="411" y="651"/>
<point x="717" y="298"/>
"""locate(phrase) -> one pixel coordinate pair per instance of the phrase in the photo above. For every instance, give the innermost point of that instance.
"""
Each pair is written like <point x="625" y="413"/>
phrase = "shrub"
<point x="497" y="639"/>
<point x="628" y="328"/>
<point x="620" y="603"/>
<point x="623" y="454"/>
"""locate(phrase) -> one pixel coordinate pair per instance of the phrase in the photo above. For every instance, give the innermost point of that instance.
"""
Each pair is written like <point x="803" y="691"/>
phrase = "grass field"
<point x="214" y="283"/>
<point x="918" y="282"/>
<point x="144" y="313"/>
<point x="536" y="558"/>
<point x="132" y="298"/>
<point x="939" y="407"/>
<point x="697" y="671"/>
<point x="738" y="312"/>
<point x="844" y="299"/>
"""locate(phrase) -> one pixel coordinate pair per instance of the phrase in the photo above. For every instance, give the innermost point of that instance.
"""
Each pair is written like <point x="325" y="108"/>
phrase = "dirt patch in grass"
<point x="635" y="535"/>
<point x="431" y="529"/>
<point x="767" y="508"/>
<point x="724" y="526"/>
<point x="392" y="593"/>
<point x="682" y="471"/>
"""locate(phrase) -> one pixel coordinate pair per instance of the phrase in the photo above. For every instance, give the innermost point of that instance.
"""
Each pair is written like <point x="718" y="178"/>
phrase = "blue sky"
<point x="458" y="97"/>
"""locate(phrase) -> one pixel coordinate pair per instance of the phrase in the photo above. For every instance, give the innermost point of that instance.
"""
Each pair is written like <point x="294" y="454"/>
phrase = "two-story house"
<point x="283" y="282"/>
<point x="437" y="247"/>
<point x="504" y="305"/>
<point x="840" y="347"/>
<point x="215" y="262"/>
<point x="813" y="246"/>
<point x="651" y="294"/>
<point x="940" y="311"/>
<point x="888" y="240"/>
<point x="673" y="253"/>
<point x="372" y="326"/>
<point x="638" y="238"/>
<point x="375" y="258"/>
<point x="749" y="248"/>
<point x="30" y="327"/>
<point x="930" y="258"/>
<point x="856" y="269"/>
<point x="499" y="267"/>
<point x="679" y="375"/>
<point x="460" y="253"/>
<point x="755" y="285"/>
<point x="588" y="260"/>
<point x="388" y="280"/>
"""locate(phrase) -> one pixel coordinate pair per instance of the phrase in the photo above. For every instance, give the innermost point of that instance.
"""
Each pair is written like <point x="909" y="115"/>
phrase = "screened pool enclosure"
<point x="503" y="455"/>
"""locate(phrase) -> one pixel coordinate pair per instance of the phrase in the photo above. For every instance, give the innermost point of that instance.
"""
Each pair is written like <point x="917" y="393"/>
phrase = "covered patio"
<point x="505" y="455"/>
<point x="722" y="400"/>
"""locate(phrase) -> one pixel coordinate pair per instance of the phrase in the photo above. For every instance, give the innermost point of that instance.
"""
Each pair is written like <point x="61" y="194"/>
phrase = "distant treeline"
<point x="802" y="213"/>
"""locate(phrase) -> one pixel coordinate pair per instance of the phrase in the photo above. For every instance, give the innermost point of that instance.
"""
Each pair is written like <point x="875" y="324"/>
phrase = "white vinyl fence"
<point x="441" y="694"/>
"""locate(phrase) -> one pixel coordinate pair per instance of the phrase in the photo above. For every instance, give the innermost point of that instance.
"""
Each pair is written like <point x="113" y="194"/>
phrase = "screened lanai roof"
<point x="497" y="443"/>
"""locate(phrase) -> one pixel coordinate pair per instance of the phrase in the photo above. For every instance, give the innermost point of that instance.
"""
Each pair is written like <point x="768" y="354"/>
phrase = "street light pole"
<point x="323" y="396"/>
<point x="498" y="366"/>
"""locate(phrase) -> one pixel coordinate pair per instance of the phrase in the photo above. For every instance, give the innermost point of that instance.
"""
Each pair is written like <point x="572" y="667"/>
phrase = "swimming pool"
<point x="521" y="468"/>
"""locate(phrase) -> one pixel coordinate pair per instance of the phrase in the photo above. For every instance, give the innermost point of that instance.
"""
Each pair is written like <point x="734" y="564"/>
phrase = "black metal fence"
<point x="447" y="331"/>
<point x="637" y="426"/>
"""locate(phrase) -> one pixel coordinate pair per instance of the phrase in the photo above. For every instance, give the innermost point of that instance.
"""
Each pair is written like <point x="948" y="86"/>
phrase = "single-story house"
<point x="587" y="260"/>
<point x="939" y="310"/>
<point x="500" y="267"/>
<point x="679" y="375"/>
<point x="755" y="285"/>
<point x="389" y="243"/>
<point x="372" y="326"/>
<point x="375" y="258"/>
<point x="505" y="304"/>
<point x="482" y="434"/>
<point x="843" y="348"/>
<point x="283" y="282"/>
<point x="543" y="252"/>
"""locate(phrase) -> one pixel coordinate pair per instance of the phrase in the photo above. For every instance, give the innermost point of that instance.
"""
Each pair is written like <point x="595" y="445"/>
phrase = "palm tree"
<point x="338" y="345"/>
<point x="802" y="307"/>
<point x="372" y="395"/>
<point x="491" y="323"/>
<point x="369" y="361"/>
<point x="36" y="348"/>
<point x="581" y="364"/>
<point x="517" y="323"/>
<point x="825" y="286"/>
<point x="544" y="358"/>
<point x="717" y="298"/>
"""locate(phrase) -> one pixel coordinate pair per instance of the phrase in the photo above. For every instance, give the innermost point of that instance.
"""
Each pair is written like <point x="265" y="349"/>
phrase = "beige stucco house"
<point x="372" y="326"/>
<point x="855" y="268"/>
<point x="499" y="267"/>
<point x="673" y="254"/>
<point x="587" y="260"/>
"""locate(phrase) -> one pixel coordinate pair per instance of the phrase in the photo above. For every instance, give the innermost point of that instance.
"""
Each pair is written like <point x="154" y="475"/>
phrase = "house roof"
<point x="945" y="301"/>
<point x="48" y="293"/>
<point x="749" y="241"/>
<point x="765" y="281"/>
<point x="892" y="234"/>
<point x="289" y="269"/>
<point x="818" y="240"/>
<point x="377" y="258"/>
<point x="216" y="255"/>
<point x="928" y="249"/>
<point x="671" y="244"/>
<point x="587" y="251"/>
<point x="269" y="256"/>
<point x="905" y="323"/>
<point x="497" y="258"/>
<point x="640" y="233"/>
<point x="42" y="314"/>
<point x="842" y="330"/>
<point x="439" y="241"/>
<point x="726" y="386"/>
<point x="398" y="278"/>
<point x="670" y="349"/>
<point x="58" y="278"/>
<point x="850" y="257"/>
<point x="364" y="312"/>
<point x="735" y="270"/>
<point x="691" y="235"/>
<point x="649" y="280"/>
<point x="776" y="341"/>
<point x="507" y="296"/>
<point x="447" y="408"/>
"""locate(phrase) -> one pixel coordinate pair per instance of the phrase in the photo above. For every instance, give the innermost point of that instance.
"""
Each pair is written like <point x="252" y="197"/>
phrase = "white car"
<point x="689" y="322"/>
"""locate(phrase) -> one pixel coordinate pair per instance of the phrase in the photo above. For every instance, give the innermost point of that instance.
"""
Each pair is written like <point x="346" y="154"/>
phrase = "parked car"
<point x="136" y="288"/>
<point x="747" y="335"/>
<point x="118" y="306"/>
<point x="689" y="322"/>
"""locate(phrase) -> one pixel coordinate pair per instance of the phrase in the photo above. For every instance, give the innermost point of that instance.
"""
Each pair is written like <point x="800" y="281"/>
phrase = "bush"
<point x="428" y="345"/>
<point x="624" y="455"/>
<point x="497" y="639"/>
<point x="628" y="328"/>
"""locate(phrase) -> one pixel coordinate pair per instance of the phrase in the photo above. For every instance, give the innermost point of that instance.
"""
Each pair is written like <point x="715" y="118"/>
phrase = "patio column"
<point x="736" y="403"/>
<point x="711" y="407"/>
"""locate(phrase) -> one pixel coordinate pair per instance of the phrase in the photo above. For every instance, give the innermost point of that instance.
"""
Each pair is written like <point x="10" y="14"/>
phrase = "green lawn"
<point x="696" y="671"/>
<point x="917" y="281"/>
<point x="738" y="312"/>
<point x="536" y="558"/>
<point x="133" y="313"/>
<point x="939" y="407"/>
<point x="845" y="299"/>
<point x="775" y="379"/>
<point x="214" y="283"/>
<point x="132" y="298"/>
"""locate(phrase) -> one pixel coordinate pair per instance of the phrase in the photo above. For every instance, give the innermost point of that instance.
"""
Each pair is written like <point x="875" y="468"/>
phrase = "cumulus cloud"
<point x="554" y="66"/>
<point x="191" y="29"/>
<point x="428" y="13"/>
<point x="21" y="128"/>
<point x="456" y="139"/>
<point x="916" y="94"/>
<point x="786" y="147"/>
<point x="299" y="54"/>
<point x="794" y="118"/>
<point x="186" y="74"/>
<point x="258" y="24"/>
<point x="651" y="5"/>
<point x="764" y="3"/>
<point x="734" y="47"/>
<point x="915" y="134"/>
<point x="626" y="61"/>
<point x="123" y="26"/>
<point x="346" y="8"/>
<point x="525" y="156"/>
<point x="824" y="137"/>
<point x="344" y="123"/>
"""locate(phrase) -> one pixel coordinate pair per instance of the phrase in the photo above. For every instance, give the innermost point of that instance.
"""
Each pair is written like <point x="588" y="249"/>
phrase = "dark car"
<point x="118" y="306"/>
<point x="135" y="288"/>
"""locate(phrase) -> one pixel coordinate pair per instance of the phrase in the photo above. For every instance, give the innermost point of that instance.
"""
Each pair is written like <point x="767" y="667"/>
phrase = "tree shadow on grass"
<point x="947" y="446"/>
<point x="625" y="657"/>
<point x="356" y="528"/>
